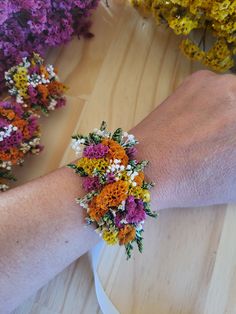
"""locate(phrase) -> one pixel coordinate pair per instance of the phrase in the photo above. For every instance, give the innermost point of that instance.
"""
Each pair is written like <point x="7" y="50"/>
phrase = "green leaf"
<point x="96" y="139"/>
<point x="103" y="126"/>
<point x="72" y="166"/>
<point x="81" y="172"/>
<point x="128" y="249"/>
<point x="139" y="242"/>
<point x="141" y="165"/>
<point x="4" y="174"/>
<point x="79" y="137"/>
<point x="148" y="185"/>
<point x="148" y="210"/>
<point x="117" y="135"/>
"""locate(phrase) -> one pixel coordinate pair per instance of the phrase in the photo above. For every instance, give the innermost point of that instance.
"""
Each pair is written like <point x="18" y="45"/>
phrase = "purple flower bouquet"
<point x="28" y="26"/>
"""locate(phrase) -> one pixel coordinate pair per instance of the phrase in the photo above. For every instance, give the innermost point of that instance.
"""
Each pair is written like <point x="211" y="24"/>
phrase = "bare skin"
<point x="190" y="141"/>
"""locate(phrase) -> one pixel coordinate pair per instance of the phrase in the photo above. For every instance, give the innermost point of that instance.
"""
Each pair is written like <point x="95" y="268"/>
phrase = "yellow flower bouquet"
<point x="214" y="19"/>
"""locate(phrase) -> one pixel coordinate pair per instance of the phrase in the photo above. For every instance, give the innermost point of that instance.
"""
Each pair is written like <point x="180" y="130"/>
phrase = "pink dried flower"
<point x="135" y="210"/>
<point x="91" y="184"/>
<point x="96" y="151"/>
<point x="131" y="152"/>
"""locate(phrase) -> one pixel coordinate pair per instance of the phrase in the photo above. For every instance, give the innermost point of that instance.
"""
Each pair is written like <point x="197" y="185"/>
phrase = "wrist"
<point x="155" y="151"/>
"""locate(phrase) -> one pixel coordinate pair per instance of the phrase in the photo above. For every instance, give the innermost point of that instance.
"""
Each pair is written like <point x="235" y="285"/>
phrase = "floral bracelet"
<point x="118" y="197"/>
<point x="33" y="88"/>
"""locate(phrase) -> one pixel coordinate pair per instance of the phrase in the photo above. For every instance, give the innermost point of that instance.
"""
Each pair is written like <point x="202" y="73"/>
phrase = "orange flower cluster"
<point x="139" y="178"/>
<point x="111" y="196"/>
<point x="116" y="151"/>
<point x="14" y="155"/>
<point x="126" y="234"/>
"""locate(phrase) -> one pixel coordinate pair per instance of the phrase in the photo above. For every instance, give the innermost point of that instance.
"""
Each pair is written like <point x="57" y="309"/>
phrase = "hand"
<point x="190" y="140"/>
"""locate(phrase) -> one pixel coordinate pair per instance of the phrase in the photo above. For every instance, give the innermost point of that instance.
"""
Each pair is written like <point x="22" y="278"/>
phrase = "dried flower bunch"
<point x="34" y="85"/>
<point x="215" y="19"/>
<point x="28" y="26"/>
<point x="19" y="136"/>
<point x="118" y="197"/>
<point x="34" y="88"/>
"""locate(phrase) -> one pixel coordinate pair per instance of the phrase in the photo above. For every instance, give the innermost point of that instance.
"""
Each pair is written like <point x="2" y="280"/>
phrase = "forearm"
<point x="42" y="231"/>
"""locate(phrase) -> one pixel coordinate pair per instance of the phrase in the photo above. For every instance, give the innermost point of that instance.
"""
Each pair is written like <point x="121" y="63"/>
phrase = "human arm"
<point x="190" y="142"/>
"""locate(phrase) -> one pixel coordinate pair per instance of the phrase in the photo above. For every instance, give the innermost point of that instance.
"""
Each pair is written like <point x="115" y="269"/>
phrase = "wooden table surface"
<point x="130" y="67"/>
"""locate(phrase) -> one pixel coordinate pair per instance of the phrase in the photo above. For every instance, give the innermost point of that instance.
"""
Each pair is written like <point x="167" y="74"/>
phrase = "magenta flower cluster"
<point x="131" y="152"/>
<point x="91" y="184"/>
<point x="28" y="26"/>
<point x="96" y="151"/>
<point x="134" y="212"/>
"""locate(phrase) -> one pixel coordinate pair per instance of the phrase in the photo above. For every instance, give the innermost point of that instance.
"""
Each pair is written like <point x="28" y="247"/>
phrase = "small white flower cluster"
<point x="3" y="187"/>
<point x="52" y="104"/>
<point x="128" y="139"/>
<point x="36" y="79"/>
<point x="77" y="145"/>
<point x="122" y="206"/>
<point x="131" y="174"/>
<point x="51" y="71"/>
<point x="6" y="165"/>
<point x="31" y="146"/>
<point x="7" y="131"/>
<point x="19" y="98"/>
<point x="83" y="202"/>
<point x="117" y="170"/>
<point x="103" y="133"/>
<point x="25" y="63"/>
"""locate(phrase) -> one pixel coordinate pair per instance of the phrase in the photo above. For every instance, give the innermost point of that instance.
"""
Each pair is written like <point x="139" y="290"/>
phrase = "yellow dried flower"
<point x="215" y="18"/>
<point x="138" y="192"/>
<point x="191" y="50"/>
<point x="111" y="237"/>
<point x="89" y="165"/>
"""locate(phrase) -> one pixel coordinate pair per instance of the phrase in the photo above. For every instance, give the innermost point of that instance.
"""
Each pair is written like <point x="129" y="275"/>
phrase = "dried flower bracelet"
<point x="34" y="88"/>
<point x="118" y="197"/>
<point x="35" y="85"/>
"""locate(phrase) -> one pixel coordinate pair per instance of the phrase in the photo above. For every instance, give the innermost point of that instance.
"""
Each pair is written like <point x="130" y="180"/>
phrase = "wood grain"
<point x="188" y="265"/>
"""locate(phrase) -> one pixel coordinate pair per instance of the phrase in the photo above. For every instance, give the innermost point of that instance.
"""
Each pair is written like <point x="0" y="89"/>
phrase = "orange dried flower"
<point x="113" y="194"/>
<point x="116" y="151"/>
<point x="126" y="234"/>
<point x="97" y="209"/>
<point x="11" y="115"/>
<point x="26" y="133"/>
<point x="20" y="124"/>
<point x="4" y="156"/>
<point x="56" y="88"/>
<point x="44" y="71"/>
<point x="42" y="89"/>
<point x="139" y="178"/>
<point x="15" y="155"/>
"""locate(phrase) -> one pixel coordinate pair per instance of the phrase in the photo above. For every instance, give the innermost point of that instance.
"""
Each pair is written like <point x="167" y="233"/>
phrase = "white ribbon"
<point x="105" y="303"/>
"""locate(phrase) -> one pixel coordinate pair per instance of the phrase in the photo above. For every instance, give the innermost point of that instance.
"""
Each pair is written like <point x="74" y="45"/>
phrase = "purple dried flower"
<point x="135" y="210"/>
<point x="110" y="178"/>
<point x="91" y="183"/>
<point x="28" y="26"/>
<point x="131" y="152"/>
<point x="96" y="151"/>
<point x="61" y="102"/>
<point x="118" y="218"/>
